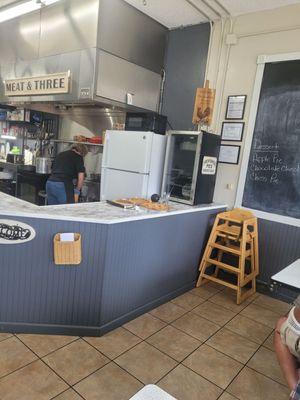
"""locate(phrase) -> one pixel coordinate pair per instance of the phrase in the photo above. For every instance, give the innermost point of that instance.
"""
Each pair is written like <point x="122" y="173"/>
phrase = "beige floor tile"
<point x="235" y="346"/>
<point x="174" y="343"/>
<point x="213" y="365"/>
<point x="4" y="336"/>
<point x="14" y="355"/>
<point x="75" y="361"/>
<point x="205" y="292"/>
<point x="280" y="307"/>
<point x="196" y="326"/>
<point x="260" y="314"/>
<point x="269" y="343"/>
<point x="184" y="384"/>
<point x="227" y="396"/>
<point x="34" y="382"/>
<point x="250" y="385"/>
<point x="265" y="362"/>
<point x="115" y="342"/>
<point x="109" y="383"/>
<point x="232" y="293"/>
<point x="228" y="300"/>
<point x="168" y="312"/>
<point x="214" y="285"/>
<point x="45" y="344"/>
<point x="249" y="329"/>
<point x="146" y="363"/>
<point x="68" y="395"/>
<point x="144" y="326"/>
<point x="188" y="301"/>
<point x="217" y="314"/>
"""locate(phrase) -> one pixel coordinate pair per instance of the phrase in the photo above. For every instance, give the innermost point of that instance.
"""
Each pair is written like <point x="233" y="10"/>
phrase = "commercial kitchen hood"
<point x="113" y="52"/>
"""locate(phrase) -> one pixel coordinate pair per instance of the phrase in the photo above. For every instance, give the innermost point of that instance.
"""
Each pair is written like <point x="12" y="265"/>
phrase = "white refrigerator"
<point x="132" y="164"/>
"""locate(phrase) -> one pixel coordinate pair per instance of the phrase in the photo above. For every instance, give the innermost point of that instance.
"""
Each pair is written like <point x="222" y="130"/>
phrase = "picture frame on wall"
<point x="235" y="107"/>
<point x="229" y="154"/>
<point x="232" y="131"/>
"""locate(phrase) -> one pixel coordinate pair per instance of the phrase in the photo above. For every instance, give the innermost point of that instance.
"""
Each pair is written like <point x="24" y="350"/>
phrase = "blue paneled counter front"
<point x="132" y="262"/>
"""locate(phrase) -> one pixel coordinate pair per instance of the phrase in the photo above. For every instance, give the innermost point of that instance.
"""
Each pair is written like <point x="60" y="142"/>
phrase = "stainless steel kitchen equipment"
<point x="43" y="165"/>
<point x="8" y="186"/>
<point x="29" y="185"/>
<point x="114" y="37"/>
<point x="15" y="158"/>
<point x="191" y="166"/>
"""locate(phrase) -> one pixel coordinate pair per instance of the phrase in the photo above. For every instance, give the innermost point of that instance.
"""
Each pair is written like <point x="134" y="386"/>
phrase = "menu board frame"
<point x="261" y="61"/>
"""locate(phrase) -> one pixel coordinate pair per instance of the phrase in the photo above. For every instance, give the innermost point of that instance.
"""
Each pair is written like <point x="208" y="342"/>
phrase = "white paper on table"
<point x="67" y="237"/>
<point x="152" y="392"/>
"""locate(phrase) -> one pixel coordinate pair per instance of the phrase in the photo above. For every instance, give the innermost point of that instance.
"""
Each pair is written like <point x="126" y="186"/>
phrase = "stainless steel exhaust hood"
<point x="114" y="54"/>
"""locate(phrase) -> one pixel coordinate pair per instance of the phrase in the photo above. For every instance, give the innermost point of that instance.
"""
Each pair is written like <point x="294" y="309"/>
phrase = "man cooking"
<point x="68" y="167"/>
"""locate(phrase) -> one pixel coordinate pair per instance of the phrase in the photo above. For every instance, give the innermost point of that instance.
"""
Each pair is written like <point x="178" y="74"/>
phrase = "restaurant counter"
<point x="132" y="262"/>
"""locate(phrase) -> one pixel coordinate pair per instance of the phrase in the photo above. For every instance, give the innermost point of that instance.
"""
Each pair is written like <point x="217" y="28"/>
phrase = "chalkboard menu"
<point x="273" y="175"/>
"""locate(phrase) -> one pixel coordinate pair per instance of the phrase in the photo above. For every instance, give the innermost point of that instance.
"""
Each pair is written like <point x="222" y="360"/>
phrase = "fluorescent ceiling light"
<point x="24" y="8"/>
<point x="21" y="9"/>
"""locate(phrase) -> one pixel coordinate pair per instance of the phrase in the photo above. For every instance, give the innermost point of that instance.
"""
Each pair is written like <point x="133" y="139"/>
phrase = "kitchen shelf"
<point x="76" y="142"/>
<point x="19" y="122"/>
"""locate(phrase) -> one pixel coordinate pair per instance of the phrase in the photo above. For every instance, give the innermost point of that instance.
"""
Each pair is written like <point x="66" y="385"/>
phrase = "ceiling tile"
<point x="171" y="13"/>
<point x="237" y="7"/>
<point x="176" y="13"/>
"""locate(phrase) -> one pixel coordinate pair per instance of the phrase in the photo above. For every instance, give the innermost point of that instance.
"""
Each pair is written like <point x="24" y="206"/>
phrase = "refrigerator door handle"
<point x="126" y="170"/>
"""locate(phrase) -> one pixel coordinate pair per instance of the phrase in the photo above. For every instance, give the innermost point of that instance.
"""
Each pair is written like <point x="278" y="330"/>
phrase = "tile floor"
<point x="199" y="346"/>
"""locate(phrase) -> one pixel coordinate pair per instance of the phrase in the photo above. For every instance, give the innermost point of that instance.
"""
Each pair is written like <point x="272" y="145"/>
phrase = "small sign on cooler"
<point x="209" y="165"/>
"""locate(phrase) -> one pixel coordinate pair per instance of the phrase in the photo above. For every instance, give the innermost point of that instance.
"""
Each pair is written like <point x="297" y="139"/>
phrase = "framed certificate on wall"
<point x="235" y="107"/>
<point x="229" y="154"/>
<point x="232" y="131"/>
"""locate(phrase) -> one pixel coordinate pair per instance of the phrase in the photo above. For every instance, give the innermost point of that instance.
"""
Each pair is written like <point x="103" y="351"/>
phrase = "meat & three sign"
<point x="39" y="85"/>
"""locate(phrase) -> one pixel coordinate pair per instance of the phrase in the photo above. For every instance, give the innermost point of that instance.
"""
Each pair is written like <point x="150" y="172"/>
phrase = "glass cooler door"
<point x="180" y="165"/>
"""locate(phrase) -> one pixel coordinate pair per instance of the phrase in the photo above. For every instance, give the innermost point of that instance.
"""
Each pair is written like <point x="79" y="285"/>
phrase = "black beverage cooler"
<point x="191" y="166"/>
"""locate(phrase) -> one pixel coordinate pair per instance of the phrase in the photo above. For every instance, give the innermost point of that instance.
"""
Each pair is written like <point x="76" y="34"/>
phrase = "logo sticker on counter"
<point x="15" y="232"/>
<point x="209" y="165"/>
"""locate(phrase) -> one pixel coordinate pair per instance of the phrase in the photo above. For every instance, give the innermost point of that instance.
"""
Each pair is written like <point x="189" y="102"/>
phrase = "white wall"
<point x="231" y="69"/>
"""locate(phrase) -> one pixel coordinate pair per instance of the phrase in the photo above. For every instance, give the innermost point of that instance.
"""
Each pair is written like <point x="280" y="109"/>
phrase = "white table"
<point x="289" y="276"/>
<point x="152" y="392"/>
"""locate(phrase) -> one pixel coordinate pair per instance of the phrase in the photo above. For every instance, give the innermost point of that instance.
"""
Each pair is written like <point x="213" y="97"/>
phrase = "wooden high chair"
<point x="234" y="235"/>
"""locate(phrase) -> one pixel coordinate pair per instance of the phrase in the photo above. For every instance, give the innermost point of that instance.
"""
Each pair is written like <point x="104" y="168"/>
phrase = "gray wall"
<point x="278" y="247"/>
<point x="185" y="65"/>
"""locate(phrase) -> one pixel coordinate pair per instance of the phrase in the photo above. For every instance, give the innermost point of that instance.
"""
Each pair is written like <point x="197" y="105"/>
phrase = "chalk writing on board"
<point x="267" y="164"/>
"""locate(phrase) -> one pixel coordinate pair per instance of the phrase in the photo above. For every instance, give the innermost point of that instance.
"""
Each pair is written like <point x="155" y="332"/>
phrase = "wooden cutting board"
<point x="148" y="204"/>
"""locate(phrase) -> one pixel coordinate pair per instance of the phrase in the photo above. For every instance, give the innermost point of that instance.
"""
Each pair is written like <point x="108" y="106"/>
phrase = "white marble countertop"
<point x="99" y="212"/>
